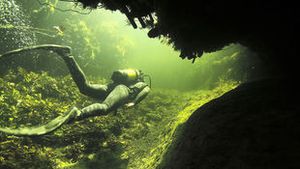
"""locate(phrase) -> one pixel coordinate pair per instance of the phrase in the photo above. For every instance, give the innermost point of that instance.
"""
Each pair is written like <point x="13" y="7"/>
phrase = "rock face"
<point x="255" y="126"/>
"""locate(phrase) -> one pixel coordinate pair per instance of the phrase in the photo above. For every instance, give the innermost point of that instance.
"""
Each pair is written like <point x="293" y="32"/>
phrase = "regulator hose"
<point x="149" y="78"/>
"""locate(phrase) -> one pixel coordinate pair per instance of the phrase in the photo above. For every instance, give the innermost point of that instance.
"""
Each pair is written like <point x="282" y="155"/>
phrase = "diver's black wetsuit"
<point x="113" y="95"/>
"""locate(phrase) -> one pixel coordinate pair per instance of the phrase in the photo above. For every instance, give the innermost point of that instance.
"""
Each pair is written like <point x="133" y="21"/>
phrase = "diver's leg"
<point x="115" y="99"/>
<point x="95" y="109"/>
<point x="76" y="72"/>
<point x="92" y="90"/>
<point x="96" y="91"/>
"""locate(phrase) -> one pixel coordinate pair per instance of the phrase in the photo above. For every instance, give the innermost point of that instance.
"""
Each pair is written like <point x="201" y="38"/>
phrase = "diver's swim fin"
<point x="43" y="129"/>
<point x="59" y="49"/>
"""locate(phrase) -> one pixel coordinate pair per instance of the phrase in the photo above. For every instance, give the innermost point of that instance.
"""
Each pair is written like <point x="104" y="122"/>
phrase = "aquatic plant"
<point x="12" y="23"/>
<point x="13" y="31"/>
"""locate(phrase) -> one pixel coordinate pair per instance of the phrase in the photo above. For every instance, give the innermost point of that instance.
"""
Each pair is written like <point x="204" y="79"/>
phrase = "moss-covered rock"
<point x="253" y="126"/>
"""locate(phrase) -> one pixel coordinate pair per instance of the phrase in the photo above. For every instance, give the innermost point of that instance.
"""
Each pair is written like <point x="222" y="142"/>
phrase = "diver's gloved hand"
<point x="129" y="105"/>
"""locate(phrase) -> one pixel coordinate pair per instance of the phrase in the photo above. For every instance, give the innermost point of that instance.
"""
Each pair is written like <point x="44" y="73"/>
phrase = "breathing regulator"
<point x="129" y="76"/>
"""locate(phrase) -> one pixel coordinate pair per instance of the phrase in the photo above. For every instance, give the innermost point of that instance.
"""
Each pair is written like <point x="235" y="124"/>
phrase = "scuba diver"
<point x="127" y="89"/>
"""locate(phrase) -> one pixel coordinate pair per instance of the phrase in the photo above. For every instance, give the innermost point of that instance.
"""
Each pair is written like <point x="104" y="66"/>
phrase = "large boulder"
<point x="255" y="126"/>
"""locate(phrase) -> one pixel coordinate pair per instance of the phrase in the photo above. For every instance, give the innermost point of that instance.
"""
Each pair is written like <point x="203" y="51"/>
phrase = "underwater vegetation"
<point x="11" y="18"/>
<point x="132" y="138"/>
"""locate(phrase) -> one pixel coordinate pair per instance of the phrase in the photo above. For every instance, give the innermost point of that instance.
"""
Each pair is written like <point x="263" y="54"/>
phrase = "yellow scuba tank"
<point x="126" y="75"/>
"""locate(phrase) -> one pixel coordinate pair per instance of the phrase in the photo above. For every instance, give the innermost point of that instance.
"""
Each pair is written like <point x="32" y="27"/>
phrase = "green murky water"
<point x="35" y="87"/>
